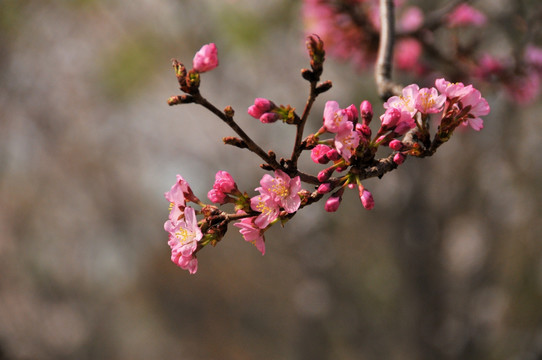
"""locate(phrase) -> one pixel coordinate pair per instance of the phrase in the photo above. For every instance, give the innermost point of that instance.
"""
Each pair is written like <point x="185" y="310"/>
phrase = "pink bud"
<point x="364" y="130"/>
<point x="216" y="196"/>
<point x="396" y="145"/>
<point x="319" y="154"/>
<point x="352" y="113"/>
<point x="324" y="188"/>
<point x="333" y="155"/>
<point x="390" y="118"/>
<point x="255" y="112"/>
<point x="325" y="174"/>
<point x="224" y="182"/>
<point x="269" y="117"/>
<point x="399" y="158"/>
<point x="366" y="111"/>
<point x="366" y="198"/>
<point x="206" y="58"/>
<point x="332" y="204"/>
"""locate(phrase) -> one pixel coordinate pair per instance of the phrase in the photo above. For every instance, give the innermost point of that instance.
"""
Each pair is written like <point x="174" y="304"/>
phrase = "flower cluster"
<point x="345" y="144"/>
<point x="351" y="31"/>
<point x="279" y="196"/>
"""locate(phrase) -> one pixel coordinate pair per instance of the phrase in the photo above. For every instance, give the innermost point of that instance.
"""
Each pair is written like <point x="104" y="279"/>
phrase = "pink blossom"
<point x="466" y="15"/>
<point x="405" y="102"/>
<point x="179" y="192"/>
<point x="217" y="196"/>
<point x="347" y="141"/>
<point x="533" y="56"/>
<point x="267" y="207"/>
<point x="224" y="182"/>
<point x="479" y="107"/>
<point x="184" y="234"/>
<point x="282" y="189"/>
<point x="206" y="58"/>
<point x="335" y="118"/>
<point x="411" y="19"/>
<point x="452" y="90"/>
<point x="252" y="233"/>
<point x="189" y="263"/>
<point x="366" y="198"/>
<point x="406" y="122"/>
<point x="407" y="54"/>
<point x="319" y="154"/>
<point x="429" y="101"/>
<point x="488" y="66"/>
<point x="525" y="88"/>
<point x="390" y="118"/>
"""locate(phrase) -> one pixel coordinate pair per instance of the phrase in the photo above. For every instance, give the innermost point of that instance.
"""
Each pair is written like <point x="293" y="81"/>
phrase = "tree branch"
<point x="386" y="87"/>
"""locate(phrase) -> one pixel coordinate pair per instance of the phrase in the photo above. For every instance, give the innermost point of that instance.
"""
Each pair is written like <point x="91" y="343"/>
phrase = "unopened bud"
<point x="399" y="158"/>
<point x="324" y="188"/>
<point x="366" y="198"/>
<point x="366" y="110"/>
<point x="396" y="145"/>
<point x="228" y="111"/>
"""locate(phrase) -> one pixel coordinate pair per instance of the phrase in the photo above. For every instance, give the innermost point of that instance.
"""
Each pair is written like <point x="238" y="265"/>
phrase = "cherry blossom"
<point x="252" y="233"/>
<point x="282" y="189"/>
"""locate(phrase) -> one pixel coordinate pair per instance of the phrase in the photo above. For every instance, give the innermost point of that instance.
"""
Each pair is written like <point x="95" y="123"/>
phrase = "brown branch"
<point x="386" y="87"/>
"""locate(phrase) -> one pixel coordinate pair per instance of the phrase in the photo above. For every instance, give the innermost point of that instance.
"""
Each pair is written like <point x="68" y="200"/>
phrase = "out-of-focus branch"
<point x="386" y="87"/>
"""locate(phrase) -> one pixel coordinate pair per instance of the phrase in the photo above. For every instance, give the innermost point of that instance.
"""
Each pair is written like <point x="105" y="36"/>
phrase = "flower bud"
<point x="390" y="118"/>
<point x="324" y="188"/>
<point x="366" y="198"/>
<point x="325" y="174"/>
<point x="333" y="154"/>
<point x="332" y="204"/>
<point x="216" y="196"/>
<point x="366" y="110"/>
<point x="352" y="113"/>
<point x="206" y="58"/>
<point x="396" y="145"/>
<point x="399" y="158"/>
<point x="319" y="154"/>
<point x="269" y="117"/>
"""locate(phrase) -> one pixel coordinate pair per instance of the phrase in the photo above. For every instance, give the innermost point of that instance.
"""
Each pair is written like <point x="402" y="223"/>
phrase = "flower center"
<point x="279" y="189"/>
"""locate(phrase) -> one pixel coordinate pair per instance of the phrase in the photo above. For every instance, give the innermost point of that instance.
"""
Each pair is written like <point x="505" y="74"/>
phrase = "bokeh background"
<point x="447" y="266"/>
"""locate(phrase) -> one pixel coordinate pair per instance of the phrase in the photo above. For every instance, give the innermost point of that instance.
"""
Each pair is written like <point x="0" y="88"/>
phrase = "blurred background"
<point x="448" y="265"/>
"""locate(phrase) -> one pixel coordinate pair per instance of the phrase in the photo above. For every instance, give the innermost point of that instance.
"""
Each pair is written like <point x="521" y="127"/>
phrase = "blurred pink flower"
<point x="407" y="54"/>
<point x="466" y="15"/>
<point x="452" y="90"/>
<point x="206" y="58"/>
<point x="479" y="107"/>
<point x="411" y="19"/>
